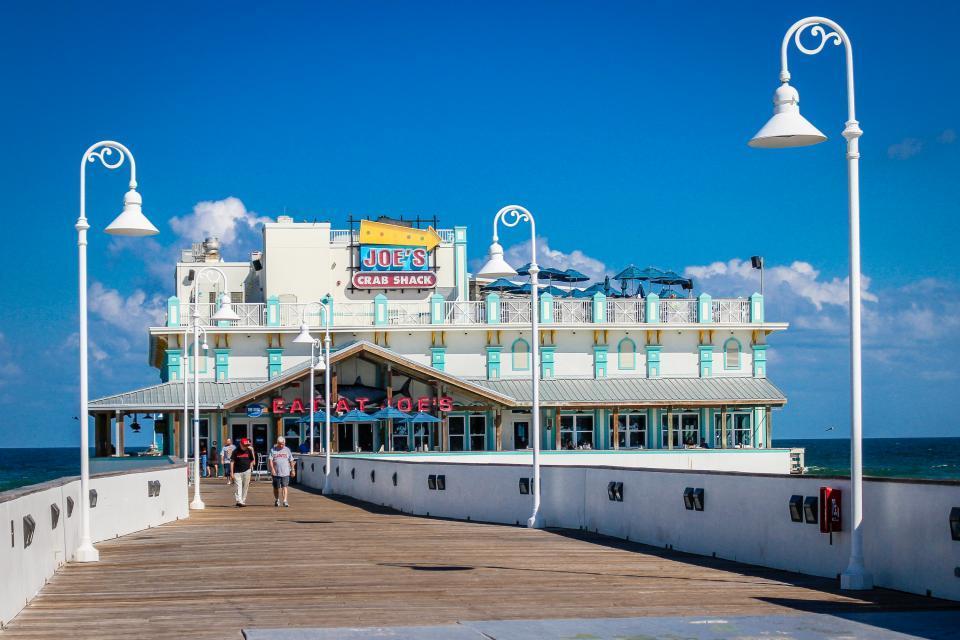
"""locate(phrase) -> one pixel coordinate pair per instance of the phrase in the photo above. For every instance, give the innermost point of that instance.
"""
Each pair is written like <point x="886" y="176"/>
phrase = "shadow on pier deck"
<point x="331" y="563"/>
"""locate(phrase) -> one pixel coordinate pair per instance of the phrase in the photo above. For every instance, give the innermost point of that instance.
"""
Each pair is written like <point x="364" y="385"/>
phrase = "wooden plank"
<point x="329" y="563"/>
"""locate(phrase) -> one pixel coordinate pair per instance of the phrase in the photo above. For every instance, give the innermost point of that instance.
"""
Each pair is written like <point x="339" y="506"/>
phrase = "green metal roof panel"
<point x="169" y="395"/>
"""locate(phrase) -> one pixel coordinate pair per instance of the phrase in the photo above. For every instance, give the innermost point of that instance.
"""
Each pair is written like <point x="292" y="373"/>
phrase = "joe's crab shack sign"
<point x="279" y="406"/>
<point x="395" y="257"/>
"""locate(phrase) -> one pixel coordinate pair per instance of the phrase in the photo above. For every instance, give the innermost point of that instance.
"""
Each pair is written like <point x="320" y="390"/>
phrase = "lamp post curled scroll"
<point x="497" y="267"/>
<point x="305" y="338"/>
<point x="787" y="128"/>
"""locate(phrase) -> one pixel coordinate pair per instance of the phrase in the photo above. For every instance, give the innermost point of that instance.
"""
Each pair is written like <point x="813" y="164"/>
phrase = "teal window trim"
<point x="514" y="353"/>
<point x="726" y="354"/>
<point x="621" y="352"/>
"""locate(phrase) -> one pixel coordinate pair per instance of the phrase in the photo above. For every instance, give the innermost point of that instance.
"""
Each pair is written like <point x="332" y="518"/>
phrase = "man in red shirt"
<point x="242" y="462"/>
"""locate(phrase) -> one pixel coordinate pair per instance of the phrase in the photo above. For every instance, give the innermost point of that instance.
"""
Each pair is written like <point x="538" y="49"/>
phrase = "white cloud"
<point x="227" y="219"/>
<point x="948" y="136"/>
<point x="519" y="254"/>
<point x="130" y="314"/>
<point x="906" y="148"/>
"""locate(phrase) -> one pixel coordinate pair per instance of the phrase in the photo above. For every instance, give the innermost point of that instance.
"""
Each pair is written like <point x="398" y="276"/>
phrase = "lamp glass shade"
<point x="304" y="337"/>
<point x="320" y="366"/>
<point x="787" y="128"/>
<point x="496" y="266"/>
<point x="225" y="313"/>
<point x="131" y="221"/>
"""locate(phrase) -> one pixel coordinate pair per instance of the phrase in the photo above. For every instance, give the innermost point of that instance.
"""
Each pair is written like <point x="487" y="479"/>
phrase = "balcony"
<point x="494" y="311"/>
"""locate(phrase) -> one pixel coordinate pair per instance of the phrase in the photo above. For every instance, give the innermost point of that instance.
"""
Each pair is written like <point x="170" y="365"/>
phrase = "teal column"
<point x="546" y="361"/>
<point x="706" y="360"/>
<point x="173" y="311"/>
<point x="438" y="357"/>
<point x="546" y="436"/>
<point x="460" y="262"/>
<point x="600" y="360"/>
<point x="600" y="433"/>
<point x="759" y="426"/>
<point x="493" y="362"/>
<point x="274" y="362"/>
<point x="599" y="307"/>
<point x="653" y="429"/>
<point x="273" y="311"/>
<point x="491" y="432"/>
<point x="546" y="308"/>
<point x="327" y="301"/>
<point x="704" y="308"/>
<point x="652" y="308"/>
<point x="436" y="309"/>
<point x="759" y="361"/>
<point x="380" y="310"/>
<point x="493" y="308"/>
<point x="653" y="360"/>
<point x="756" y="308"/>
<point x="222" y="363"/>
<point x="172" y="365"/>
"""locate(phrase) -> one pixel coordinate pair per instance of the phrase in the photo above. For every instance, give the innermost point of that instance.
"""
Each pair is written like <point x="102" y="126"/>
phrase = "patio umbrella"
<point x="545" y="272"/>
<point x="556" y="292"/>
<point x="390" y="413"/>
<point x="356" y="416"/>
<point x="318" y="416"/>
<point x="572" y="275"/>
<point x="500" y="284"/>
<point x="669" y="278"/>
<point x="422" y="418"/>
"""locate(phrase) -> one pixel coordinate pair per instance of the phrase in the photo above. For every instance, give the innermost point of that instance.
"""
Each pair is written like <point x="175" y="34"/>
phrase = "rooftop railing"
<point x="345" y="236"/>
<point x="494" y="310"/>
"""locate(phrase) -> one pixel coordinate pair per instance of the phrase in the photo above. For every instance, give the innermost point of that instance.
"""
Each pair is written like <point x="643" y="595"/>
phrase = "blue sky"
<point x="623" y="126"/>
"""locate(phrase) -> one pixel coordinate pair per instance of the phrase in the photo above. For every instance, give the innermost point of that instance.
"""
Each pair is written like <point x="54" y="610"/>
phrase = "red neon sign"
<point x="444" y="404"/>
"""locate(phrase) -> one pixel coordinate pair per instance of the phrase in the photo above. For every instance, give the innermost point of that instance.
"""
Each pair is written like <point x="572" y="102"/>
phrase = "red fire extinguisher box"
<point x="831" y="513"/>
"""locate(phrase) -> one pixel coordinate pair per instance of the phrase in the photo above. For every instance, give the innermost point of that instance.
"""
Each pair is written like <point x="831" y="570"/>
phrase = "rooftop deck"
<point x="329" y="563"/>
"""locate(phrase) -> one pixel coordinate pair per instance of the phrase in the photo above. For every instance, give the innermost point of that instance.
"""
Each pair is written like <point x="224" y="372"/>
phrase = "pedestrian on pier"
<point x="241" y="468"/>
<point x="281" y="468"/>
<point x="225" y="454"/>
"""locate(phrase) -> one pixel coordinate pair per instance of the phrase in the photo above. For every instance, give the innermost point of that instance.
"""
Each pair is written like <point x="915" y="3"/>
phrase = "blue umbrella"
<point x="556" y="292"/>
<point x="423" y="418"/>
<point x="356" y="416"/>
<point x="390" y="413"/>
<point x="669" y="278"/>
<point x="318" y="416"/>
<point x="572" y="275"/>
<point x="500" y="284"/>
<point x="545" y="272"/>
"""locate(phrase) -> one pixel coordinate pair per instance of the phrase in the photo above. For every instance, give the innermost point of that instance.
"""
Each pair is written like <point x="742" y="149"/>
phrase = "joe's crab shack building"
<point x="410" y="328"/>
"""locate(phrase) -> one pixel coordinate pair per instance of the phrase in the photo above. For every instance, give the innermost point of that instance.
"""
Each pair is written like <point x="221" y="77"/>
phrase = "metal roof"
<point x="169" y="395"/>
<point x="645" y="391"/>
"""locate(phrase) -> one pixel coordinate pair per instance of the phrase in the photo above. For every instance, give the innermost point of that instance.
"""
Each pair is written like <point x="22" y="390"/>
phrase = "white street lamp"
<point x="497" y="267"/>
<point x="323" y="365"/>
<point x="787" y="128"/>
<point x="130" y="222"/>
<point x="224" y="313"/>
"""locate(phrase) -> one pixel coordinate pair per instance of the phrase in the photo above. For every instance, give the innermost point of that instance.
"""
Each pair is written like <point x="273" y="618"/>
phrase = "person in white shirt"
<point x="281" y="467"/>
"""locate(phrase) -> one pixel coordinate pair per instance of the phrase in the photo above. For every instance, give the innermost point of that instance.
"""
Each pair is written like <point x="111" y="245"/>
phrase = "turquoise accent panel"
<point x="599" y="307"/>
<point x="546" y="361"/>
<point x="328" y="314"/>
<point x="704" y="308"/>
<point x="759" y="361"/>
<point x="380" y="310"/>
<point x="193" y="360"/>
<point x="652" y="307"/>
<point x="546" y="308"/>
<point x="653" y="429"/>
<point x="706" y="360"/>
<point x="653" y="360"/>
<point x="705" y="425"/>
<point x="460" y="262"/>
<point x="626" y="355"/>
<point x="726" y="360"/>
<point x="436" y="309"/>
<point x="600" y="431"/>
<point x="513" y="350"/>
<point x="600" y="360"/>
<point x="172" y="365"/>
<point x="759" y="426"/>
<point x="273" y="311"/>
<point x="274" y="362"/>
<point x="438" y="357"/>
<point x="493" y="362"/>
<point x="173" y="311"/>
<point x="493" y="308"/>
<point x="221" y="361"/>
<point x="491" y="432"/>
<point x="756" y="308"/>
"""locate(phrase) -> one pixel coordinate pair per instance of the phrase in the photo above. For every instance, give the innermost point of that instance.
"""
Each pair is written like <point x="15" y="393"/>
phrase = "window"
<point x="731" y="354"/>
<point x="632" y="430"/>
<point x="400" y="442"/>
<point x="739" y="431"/>
<point x="576" y="431"/>
<point x="456" y="429"/>
<point x="521" y="354"/>
<point x="685" y="429"/>
<point x="421" y="437"/>
<point x="478" y="433"/>
<point x="627" y="354"/>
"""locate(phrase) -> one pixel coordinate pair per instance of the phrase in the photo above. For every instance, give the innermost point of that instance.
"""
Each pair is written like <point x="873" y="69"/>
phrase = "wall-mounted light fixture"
<point x="688" y="498"/>
<point x="811" y="509"/>
<point x="796" y="508"/>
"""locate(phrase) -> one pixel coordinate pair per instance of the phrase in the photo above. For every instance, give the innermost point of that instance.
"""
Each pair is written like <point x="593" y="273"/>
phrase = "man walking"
<point x="225" y="455"/>
<point x="242" y="461"/>
<point x="281" y="468"/>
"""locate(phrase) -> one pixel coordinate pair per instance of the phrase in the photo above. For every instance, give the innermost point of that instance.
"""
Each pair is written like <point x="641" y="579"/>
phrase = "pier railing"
<point x="494" y="310"/>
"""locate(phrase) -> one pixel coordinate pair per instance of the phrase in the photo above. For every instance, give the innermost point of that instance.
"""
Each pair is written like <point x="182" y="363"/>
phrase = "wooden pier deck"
<point x="329" y="563"/>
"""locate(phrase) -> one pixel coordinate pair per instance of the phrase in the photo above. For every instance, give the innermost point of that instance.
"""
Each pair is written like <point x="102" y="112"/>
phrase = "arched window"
<point x="731" y="354"/>
<point x="627" y="354"/>
<point x="521" y="354"/>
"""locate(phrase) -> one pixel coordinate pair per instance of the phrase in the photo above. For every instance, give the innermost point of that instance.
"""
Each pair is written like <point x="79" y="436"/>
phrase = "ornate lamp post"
<point x="130" y="222"/>
<point x="324" y="364"/>
<point x="787" y="128"/>
<point x="497" y="267"/>
<point x="224" y="313"/>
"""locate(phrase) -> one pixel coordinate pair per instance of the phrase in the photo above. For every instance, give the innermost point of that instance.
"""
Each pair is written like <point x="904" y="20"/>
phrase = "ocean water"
<point x="934" y="458"/>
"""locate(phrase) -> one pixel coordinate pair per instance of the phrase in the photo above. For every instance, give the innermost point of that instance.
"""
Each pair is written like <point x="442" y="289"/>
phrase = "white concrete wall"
<point x="907" y="541"/>
<point x="122" y="507"/>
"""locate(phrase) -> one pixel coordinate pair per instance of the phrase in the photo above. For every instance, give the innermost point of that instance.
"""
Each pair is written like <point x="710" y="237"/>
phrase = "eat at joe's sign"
<point x="279" y="406"/>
